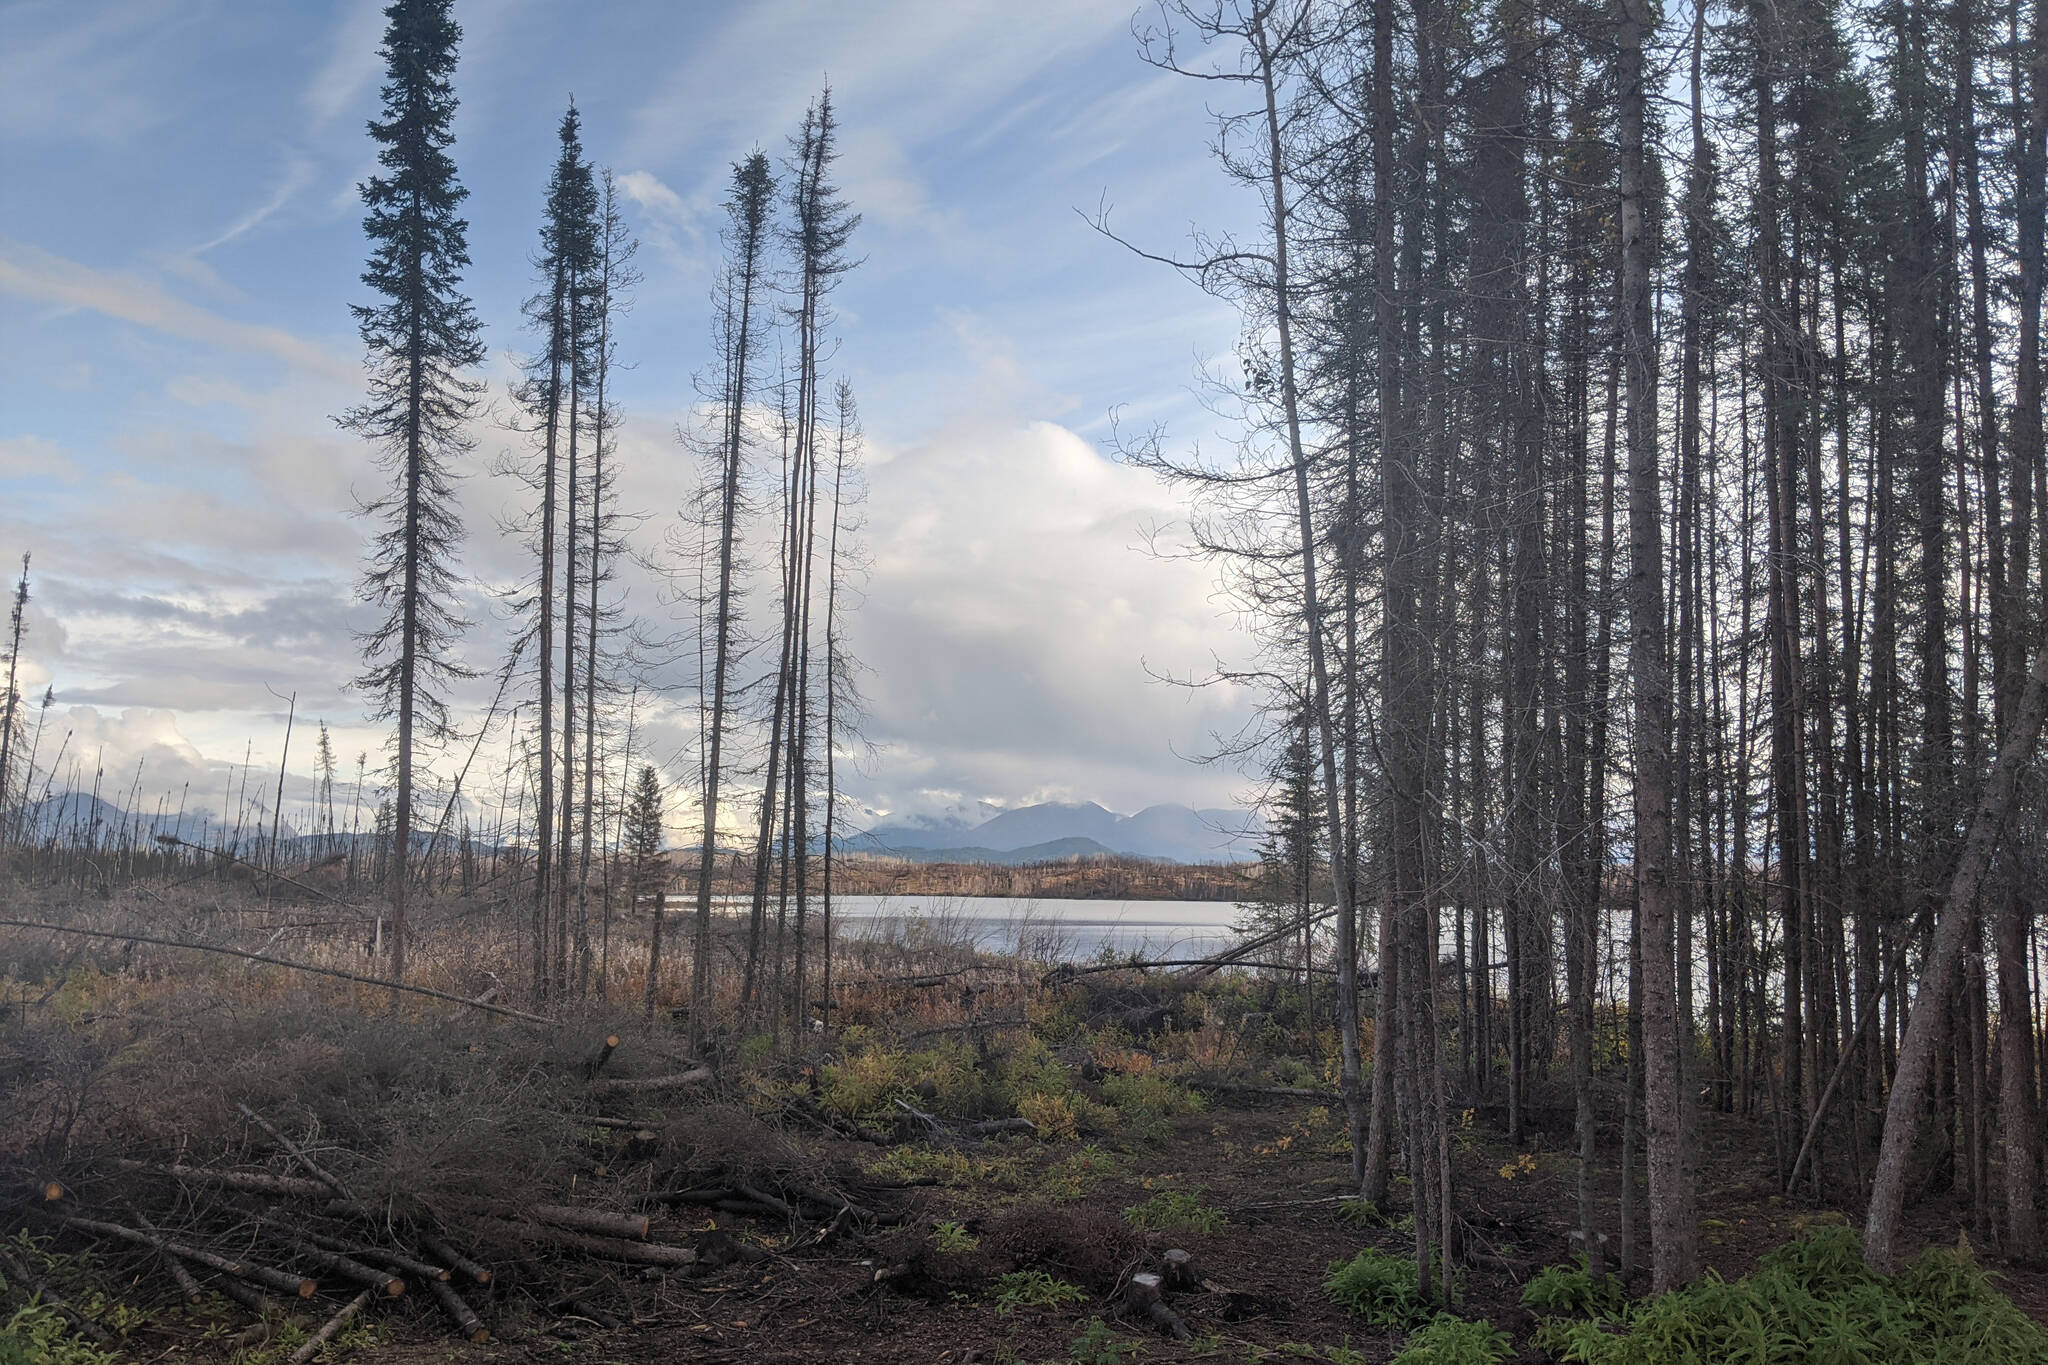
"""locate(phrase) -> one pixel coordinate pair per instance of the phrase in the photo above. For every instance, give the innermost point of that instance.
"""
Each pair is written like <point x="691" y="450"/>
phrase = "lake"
<point x="1046" y="929"/>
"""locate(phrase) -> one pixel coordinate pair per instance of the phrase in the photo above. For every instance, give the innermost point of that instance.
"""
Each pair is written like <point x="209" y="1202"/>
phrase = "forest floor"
<point x="1001" y="1250"/>
<point x="1275" y="1171"/>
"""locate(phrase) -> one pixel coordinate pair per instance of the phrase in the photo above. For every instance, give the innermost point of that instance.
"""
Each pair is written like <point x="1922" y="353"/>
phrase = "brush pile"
<point x="290" y="1155"/>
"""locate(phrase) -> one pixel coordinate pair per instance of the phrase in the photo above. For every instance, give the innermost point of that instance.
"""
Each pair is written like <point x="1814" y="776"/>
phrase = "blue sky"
<point x="180" y="240"/>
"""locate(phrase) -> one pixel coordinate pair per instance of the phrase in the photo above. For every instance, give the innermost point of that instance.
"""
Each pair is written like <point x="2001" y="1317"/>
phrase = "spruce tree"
<point x="642" y="851"/>
<point x="420" y="335"/>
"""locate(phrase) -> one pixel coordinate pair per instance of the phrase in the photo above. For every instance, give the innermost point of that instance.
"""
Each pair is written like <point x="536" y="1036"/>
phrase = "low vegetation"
<point x="1816" y="1300"/>
<point x="1380" y="1287"/>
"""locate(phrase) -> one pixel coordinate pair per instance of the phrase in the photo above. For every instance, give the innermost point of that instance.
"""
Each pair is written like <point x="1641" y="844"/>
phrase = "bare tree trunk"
<point x="1340" y="858"/>
<point x="1673" y="1205"/>
<point x="1916" y="1050"/>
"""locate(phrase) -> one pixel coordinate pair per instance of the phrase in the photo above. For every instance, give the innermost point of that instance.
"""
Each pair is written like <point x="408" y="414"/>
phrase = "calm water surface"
<point x="1043" y="928"/>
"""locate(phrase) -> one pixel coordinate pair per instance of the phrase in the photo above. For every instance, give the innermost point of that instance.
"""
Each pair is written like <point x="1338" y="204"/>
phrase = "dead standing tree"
<point x="741" y="287"/>
<point x="1262" y="44"/>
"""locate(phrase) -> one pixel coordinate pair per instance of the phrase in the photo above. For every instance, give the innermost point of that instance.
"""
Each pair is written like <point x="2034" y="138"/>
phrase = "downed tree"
<point x="295" y="1285"/>
<point x="334" y="972"/>
<point x="333" y="1325"/>
<point x="643" y="1085"/>
<point x="606" y="1248"/>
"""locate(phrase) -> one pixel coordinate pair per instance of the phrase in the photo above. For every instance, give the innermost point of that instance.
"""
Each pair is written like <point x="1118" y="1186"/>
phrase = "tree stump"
<point x="1144" y="1298"/>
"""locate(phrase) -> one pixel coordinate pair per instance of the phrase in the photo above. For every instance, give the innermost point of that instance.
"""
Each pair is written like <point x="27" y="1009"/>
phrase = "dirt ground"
<point x="1274" y="1167"/>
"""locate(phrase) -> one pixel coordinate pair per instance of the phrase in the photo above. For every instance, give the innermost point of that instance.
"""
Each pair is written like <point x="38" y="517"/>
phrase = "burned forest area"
<point x="1611" y="512"/>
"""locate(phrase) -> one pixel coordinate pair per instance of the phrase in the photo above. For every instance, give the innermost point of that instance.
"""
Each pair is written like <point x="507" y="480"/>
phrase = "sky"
<point x="180" y="241"/>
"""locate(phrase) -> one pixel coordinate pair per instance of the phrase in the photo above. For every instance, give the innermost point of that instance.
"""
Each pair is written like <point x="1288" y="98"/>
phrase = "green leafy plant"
<point x="1380" y="1287"/>
<point x="1175" y="1211"/>
<point x="38" y="1335"/>
<point x="1571" y="1291"/>
<point x="1452" y="1340"/>
<point x="1034" y="1289"/>
<point x="1816" y="1300"/>
<point x="1097" y="1345"/>
<point x="1363" y="1213"/>
<point x="951" y="1236"/>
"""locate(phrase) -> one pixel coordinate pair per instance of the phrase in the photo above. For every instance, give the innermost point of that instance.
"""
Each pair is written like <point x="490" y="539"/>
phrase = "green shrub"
<point x="1175" y="1211"/>
<point x="1380" y="1287"/>
<point x="1816" y="1300"/>
<point x="1071" y="1176"/>
<point x="1034" y="1289"/>
<point x="1571" y="1291"/>
<point x="38" y="1334"/>
<point x="1451" y="1340"/>
<point x="1363" y="1213"/>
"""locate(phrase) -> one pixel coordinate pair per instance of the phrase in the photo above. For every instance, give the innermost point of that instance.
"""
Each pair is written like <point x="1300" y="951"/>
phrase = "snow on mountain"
<point x="1172" y="833"/>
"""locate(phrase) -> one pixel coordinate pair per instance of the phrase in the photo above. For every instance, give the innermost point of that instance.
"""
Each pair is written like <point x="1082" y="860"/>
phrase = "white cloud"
<point x="33" y="273"/>
<point x="298" y="171"/>
<point x="352" y="60"/>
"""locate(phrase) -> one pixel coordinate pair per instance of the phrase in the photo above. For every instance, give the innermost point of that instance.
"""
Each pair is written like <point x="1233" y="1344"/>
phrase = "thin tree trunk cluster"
<point x="1638" y="499"/>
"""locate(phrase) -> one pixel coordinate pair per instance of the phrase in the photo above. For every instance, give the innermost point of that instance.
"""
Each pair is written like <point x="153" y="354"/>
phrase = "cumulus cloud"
<point x="1011" y="618"/>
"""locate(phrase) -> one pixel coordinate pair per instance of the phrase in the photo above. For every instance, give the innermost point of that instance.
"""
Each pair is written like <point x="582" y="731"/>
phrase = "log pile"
<point x="298" y="1230"/>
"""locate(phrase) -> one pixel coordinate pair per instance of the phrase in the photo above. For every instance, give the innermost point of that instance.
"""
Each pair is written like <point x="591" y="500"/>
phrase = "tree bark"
<point x="1916" y="1050"/>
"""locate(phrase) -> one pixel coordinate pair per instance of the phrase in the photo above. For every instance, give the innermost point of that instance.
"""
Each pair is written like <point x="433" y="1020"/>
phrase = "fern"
<point x="1450" y="1340"/>
<point x="1380" y="1287"/>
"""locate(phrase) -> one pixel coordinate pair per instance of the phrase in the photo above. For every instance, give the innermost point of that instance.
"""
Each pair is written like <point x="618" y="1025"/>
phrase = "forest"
<point x="1631" y="479"/>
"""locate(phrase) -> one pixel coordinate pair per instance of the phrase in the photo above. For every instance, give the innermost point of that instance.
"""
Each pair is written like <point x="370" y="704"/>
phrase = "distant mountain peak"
<point x="1168" y="831"/>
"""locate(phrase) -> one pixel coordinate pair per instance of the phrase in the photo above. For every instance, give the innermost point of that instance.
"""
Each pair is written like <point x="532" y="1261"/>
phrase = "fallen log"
<point x="642" y="1085"/>
<point x="606" y="1248"/>
<point x="457" y="1262"/>
<point x="466" y="1320"/>
<point x="295" y="1285"/>
<point x="589" y="1312"/>
<point x="333" y="972"/>
<point x="325" y="1177"/>
<point x="332" y="1325"/>
<point x="247" y="1295"/>
<point x="635" y="1226"/>
<point x="766" y="1200"/>
<point x="251" y="1182"/>
<point x="348" y="1268"/>
<point x="33" y="1283"/>
<point x="632" y="1225"/>
<point x="187" y="1286"/>
<point x="397" y="1260"/>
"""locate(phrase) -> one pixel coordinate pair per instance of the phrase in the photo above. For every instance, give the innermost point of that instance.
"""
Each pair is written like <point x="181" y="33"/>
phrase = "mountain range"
<point x="1058" y="829"/>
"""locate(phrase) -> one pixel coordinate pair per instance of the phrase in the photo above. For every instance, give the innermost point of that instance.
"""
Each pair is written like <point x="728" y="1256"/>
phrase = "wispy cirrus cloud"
<point x="297" y="173"/>
<point x="33" y="273"/>
<point x="352" y="61"/>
